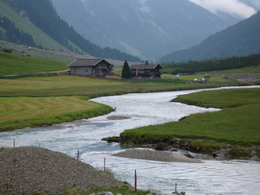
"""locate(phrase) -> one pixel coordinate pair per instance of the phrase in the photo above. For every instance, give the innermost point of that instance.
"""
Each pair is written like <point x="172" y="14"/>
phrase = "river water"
<point x="227" y="177"/>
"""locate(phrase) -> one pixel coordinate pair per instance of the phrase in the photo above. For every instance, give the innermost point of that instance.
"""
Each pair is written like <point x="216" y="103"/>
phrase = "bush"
<point x="159" y="146"/>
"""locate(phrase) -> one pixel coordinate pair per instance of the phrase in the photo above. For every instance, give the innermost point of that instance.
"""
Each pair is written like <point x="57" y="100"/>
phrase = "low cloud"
<point x="232" y="7"/>
<point x="144" y="8"/>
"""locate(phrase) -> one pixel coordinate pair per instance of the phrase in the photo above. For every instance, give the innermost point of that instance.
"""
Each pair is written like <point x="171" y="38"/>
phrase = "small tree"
<point x="126" y="71"/>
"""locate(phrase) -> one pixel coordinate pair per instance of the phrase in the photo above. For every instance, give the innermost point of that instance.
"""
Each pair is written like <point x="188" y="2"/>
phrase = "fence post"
<point x="78" y="155"/>
<point x="104" y="164"/>
<point x="14" y="143"/>
<point x="135" y="181"/>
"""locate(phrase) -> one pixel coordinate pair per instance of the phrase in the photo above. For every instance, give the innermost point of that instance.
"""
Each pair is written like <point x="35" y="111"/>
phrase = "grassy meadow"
<point x="237" y="123"/>
<point x="20" y="112"/>
<point x="12" y="64"/>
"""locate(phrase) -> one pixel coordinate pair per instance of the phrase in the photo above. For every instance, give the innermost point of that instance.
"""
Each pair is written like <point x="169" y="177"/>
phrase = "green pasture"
<point x="237" y="123"/>
<point x="11" y="64"/>
<point x="20" y="112"/>
<point x="91" y="87"/>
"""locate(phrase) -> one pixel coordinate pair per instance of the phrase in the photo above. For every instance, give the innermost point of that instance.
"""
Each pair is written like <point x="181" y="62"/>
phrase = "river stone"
<point x="27" y="170"/>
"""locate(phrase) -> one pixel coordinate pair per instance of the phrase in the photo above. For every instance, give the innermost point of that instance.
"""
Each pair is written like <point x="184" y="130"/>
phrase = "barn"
<point x="148" y="70"/>
<point x="91" y="67"/>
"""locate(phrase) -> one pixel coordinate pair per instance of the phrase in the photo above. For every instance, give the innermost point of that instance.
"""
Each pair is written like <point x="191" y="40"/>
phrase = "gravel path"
<point x="155" y="155"/>
<point x="34" y="169"/>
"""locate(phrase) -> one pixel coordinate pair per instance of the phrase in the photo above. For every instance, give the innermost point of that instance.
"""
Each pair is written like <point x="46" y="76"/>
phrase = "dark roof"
<point x="145" y="66"/>
<point x="86" y="62"/>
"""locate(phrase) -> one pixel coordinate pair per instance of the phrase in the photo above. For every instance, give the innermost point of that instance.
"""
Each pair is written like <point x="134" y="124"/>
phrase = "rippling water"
<point x="213" y="176"/>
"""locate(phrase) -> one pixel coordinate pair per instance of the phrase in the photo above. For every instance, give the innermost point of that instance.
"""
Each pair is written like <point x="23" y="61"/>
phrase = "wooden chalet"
<point x="91" y="67"/>
<point x="146" y="70"/>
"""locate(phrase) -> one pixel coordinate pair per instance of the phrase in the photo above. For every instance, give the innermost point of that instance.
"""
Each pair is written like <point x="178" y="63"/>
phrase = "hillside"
<point x="11" y="63"/>
<point x="238" y="40"/>
<point x="40" y="38"/>
<point x="147" y="29"/>
<point x="39" y="20"/>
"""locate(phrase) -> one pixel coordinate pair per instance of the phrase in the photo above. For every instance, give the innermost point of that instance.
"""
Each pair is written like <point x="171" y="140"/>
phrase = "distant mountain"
<point x="240" y="39"/>
<point x="36" y="23"/>
<point x="148" y="29"/>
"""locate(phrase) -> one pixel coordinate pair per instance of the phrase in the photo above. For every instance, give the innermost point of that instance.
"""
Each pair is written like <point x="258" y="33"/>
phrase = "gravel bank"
<point x="34" y="169"/>
<point x="155" y="155"/>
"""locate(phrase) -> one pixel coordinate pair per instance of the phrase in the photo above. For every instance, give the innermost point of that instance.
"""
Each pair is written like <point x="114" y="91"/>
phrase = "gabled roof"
<point x="145" y="66"/>
<point x="86" y="62"/>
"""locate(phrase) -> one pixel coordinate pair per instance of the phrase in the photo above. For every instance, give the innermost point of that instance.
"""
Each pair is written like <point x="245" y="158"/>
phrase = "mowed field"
<point x="39" y="107"/>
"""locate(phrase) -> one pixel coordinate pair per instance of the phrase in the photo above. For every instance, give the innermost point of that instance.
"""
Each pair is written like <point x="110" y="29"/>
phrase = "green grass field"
<point x="11" y="64"/>
<point x="237" y="123"/>
<point x="91" y="87"/>
<point x="20" y="112"/>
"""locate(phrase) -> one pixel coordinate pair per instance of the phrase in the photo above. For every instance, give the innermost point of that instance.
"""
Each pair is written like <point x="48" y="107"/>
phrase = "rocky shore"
<point x="28" y="170"/>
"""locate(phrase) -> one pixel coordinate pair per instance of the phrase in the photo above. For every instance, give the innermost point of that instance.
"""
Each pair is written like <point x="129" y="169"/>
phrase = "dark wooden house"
<point x="147" y="69"/>
<point x="91" y="67"/>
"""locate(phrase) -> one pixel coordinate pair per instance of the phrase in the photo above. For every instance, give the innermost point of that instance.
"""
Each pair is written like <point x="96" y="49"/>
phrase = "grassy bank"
<point x="21" y="112"/>
<point x="237" y="124"/>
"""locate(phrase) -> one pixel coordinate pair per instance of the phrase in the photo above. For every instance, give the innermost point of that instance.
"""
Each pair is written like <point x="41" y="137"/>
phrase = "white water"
<point x="232" y="177"/>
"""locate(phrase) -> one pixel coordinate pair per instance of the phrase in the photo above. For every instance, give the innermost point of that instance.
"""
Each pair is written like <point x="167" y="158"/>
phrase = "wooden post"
<point x="135" y="181"/>
<point x="78" y="155"/>
<point x="14" y="143"/>
<point x="104" y="164"/>
<point x="175" y="187"/>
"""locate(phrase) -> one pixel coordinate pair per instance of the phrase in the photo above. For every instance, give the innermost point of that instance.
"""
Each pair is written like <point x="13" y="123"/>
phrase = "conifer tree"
<point x="126" y="71"/>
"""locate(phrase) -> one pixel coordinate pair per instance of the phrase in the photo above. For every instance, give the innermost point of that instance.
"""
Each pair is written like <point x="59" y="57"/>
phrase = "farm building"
<point x="146" y="70"/>
<point x="91" y="67"/>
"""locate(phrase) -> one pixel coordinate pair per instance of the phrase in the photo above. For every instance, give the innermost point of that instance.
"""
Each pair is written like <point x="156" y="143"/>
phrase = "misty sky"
<point x="233" y="7"/>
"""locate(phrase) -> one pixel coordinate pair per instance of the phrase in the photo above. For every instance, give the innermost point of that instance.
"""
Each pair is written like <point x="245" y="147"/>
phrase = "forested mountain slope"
<point x="50" y="27"/>
<point x="148" y="29"/>
<point x="238" y="40"/>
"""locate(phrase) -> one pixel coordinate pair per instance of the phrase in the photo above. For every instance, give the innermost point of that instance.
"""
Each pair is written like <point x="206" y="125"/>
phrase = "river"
<point x="227" y="177"/>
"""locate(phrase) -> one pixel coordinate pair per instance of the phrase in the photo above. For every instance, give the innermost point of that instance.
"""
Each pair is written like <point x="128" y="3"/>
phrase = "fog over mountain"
<point x="235" y="8"/>
<point x="148" y="29"/>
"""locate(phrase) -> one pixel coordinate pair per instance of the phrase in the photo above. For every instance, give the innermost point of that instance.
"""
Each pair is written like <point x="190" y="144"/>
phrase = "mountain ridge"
<point x="238" y="40"/>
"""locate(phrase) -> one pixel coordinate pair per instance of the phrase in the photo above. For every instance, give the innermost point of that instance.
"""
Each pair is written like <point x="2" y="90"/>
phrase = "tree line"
<point x="213" y="64"/>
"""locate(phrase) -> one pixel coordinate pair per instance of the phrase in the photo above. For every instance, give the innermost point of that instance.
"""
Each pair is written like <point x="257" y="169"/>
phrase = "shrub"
<point x="159" y="146"/>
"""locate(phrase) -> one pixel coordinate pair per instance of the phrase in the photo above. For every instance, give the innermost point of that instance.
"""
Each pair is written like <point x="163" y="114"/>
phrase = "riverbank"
<point x="232" y="132"/>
